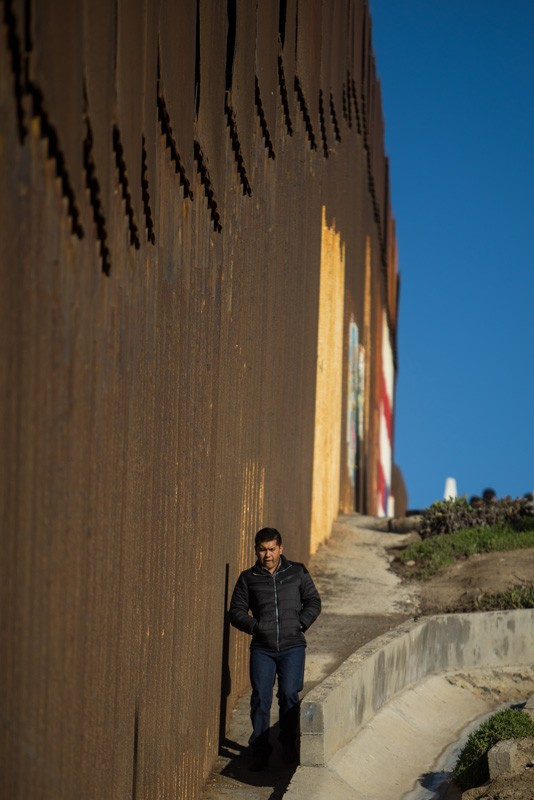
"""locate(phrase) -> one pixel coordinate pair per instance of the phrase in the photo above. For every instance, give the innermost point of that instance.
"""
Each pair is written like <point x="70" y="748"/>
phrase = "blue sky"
<point x="457" y="82"/>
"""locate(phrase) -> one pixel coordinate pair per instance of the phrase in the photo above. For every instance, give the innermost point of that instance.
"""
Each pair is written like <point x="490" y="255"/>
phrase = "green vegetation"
<point x="516" y="597"/>
<point x="472" y="766"/>
<point x="437" y="552"/>
<point x="448" y="516"/>
<point x="524" y="524"/>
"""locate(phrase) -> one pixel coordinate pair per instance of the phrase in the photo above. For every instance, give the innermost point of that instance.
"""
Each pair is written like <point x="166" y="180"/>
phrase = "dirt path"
<point x="361" y="597"/>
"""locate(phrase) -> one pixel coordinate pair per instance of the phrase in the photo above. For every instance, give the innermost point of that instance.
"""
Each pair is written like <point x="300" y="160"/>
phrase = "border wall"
<point x="198" y="301"/>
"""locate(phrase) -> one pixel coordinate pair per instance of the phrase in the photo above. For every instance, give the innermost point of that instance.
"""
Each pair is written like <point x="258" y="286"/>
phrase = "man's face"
<point x="269" y="554"/>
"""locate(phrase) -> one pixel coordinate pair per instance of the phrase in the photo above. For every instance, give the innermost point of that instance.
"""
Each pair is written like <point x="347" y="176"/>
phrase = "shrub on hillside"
<point x="448" y="516"/>
<point x="472" y="766"/>
<point x="516" y="597"/>
<point x="436" y="552"/>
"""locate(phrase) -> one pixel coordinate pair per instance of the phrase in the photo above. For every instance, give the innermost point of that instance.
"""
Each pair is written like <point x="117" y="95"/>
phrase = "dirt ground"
<point x="454" y="588"/>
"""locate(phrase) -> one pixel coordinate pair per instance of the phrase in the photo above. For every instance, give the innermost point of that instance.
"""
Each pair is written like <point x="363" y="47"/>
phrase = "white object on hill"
<point x="451" y="492"/>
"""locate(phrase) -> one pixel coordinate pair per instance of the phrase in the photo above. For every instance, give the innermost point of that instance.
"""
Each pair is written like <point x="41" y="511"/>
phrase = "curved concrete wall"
<point x="334" y="711"/>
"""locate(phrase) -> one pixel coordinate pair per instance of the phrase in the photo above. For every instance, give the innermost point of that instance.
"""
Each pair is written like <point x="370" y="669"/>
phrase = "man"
<point x="283" y="602"/>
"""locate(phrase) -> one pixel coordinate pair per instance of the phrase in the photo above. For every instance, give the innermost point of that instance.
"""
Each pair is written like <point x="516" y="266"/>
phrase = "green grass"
<point x="472" y="766"/>
<point x="437" y="552"/>
<point x="516" y="597"/>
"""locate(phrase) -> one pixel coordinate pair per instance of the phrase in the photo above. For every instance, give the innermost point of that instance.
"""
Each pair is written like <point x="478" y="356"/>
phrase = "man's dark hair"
<point x="267" y="535"/>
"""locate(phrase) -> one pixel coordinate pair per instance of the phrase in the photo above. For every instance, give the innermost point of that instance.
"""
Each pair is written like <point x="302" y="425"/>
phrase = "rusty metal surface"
<point x="176" y="97"/>
<point x="159" y="299"/>
<point x="99" y="36"/>
<point x="56" y="77"/>
<point x="241" y="89"/>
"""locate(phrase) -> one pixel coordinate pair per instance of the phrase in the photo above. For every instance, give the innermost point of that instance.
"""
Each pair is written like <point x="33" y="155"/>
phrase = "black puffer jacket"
<point x="283" y="605"/>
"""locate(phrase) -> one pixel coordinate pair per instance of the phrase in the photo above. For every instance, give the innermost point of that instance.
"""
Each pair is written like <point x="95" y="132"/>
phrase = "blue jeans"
<point x="288" y="665"/>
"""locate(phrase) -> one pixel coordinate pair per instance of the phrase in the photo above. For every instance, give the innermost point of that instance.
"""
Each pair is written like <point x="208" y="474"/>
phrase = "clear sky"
<point x="457" y="82"/>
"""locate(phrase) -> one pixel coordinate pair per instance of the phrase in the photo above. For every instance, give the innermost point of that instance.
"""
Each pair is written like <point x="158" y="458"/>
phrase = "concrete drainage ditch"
<point x="435" y="785"/>
<point x="379" y="723"/>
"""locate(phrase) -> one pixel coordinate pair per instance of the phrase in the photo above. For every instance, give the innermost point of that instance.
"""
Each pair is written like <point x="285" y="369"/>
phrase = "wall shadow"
<point x="277" y="775"/>
<point x="226" y="678"/>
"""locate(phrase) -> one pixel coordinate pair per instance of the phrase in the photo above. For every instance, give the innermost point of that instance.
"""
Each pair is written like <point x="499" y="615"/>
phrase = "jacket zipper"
<point x="276" y="608"/>
<point x="276" y="602"/>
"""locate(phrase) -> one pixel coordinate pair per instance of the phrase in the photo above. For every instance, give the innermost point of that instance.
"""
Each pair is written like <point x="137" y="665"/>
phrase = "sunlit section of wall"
<point x="252" y="505"/>
<point x="327" y="437"/>
<point x="251" y="510"/>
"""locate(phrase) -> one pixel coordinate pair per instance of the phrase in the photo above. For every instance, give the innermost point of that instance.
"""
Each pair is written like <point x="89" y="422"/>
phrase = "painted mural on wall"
<point x="385" y="501"/>
<point x="361" y="394"/>
<point x="352" y="402"/>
